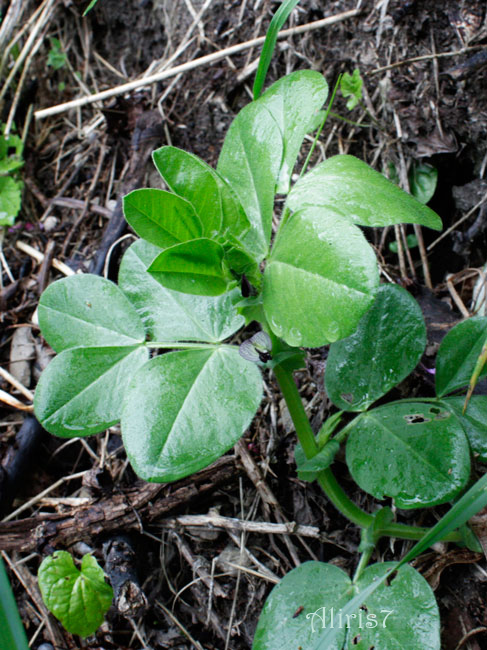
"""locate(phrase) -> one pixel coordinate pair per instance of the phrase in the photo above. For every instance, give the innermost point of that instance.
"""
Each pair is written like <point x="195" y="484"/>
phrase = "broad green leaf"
<point x="10" y="199"/>
<point x="213" y="200"/>
<point x="161" y="218"/>
<point x="351" y="87"/>
<point x="12" y="633"/>
<point x="401" y="614"/>
<point x="79" y="599"/>
<point x="81" y="390"/>
<point x="301" y="606"/>
<point x="86" y="311"/>
<point x="474" y="421"/>
<point x="350" y="188"/>
<point x="170" y="315"/>
<point x="384" y="349"/>
<point x="294" y="102"/>
<point x="423" y="179"/>
<point x="315" y="289"/>
<point x="414" y="452"/>
<point x="458" y="354"/>
<point x="250" y="161"/>
<point x="195" y="267"/>
<point x="11" y="149"/>
<point x="185" y="409"/>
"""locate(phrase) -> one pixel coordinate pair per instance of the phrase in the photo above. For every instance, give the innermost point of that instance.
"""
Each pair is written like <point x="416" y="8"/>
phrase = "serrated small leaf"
<point x="355" y="192"/>
<point x="474" y="421"/>
<point x="315" y="291"/>
<point x="185" y="409"/>
<point x="171" y="315"/>
<point x="79" y="599"/>
<point x="458" y="354"/>
<point x="401" y="614"/>
<point x="10" y="200"/>
<point x="85" y="311"/>
<point x="299" y="607"/>
<point x="161" y="218"/>
<point x="195" y="267"/>
<point x="384" y="349"/>
<point x="351" y="87"/>
<point x="414" y="452"/>
<point x="213" y="200"/>
<point x="80" y="392"/>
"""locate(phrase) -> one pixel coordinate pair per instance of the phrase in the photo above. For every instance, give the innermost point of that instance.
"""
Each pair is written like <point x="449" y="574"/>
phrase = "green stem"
<point x="326" y="478"/>
<point x="364" y="560"/>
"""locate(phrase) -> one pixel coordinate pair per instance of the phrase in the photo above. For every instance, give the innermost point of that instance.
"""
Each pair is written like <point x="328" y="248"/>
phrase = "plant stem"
<point x="326" y="478"/>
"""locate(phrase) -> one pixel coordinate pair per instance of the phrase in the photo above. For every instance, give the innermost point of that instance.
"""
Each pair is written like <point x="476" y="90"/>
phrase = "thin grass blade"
<point x="12" y="634"/>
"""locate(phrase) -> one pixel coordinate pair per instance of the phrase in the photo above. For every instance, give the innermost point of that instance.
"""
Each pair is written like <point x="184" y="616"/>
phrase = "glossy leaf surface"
<point x="474" y="421"/>
<point x="294" y="102"/>
<point x="383" y="350"/>
<point x="87" y="310"/>
<point x="308" y="468"/>
<point x="398" y="615"/>
<point x="315" y="290"/>
<point x="161" y="218"/>
<point x="194" y="267"/>
<point x="215" y="203"/>
<point x="79" y="599"/>
<point x="250" y="160"/>
<point x="170" y="315"/>
<point x="300" y="605"/>
<point x="81" y="390"/>
<point x="356" y="192"/>
<point x="185" y="409"/>
<point x="423" y="179"/>
<point x="458" y="354"/>
<point x="415" y="452"/>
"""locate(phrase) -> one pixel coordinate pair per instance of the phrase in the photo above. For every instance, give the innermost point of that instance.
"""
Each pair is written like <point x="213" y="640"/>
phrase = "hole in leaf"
<point x="416" y="418"/>
<point x="347" y="397"/>
<point x="364" y="608"/>
<point x="356" y="639"/>
<point x="435" y="410"/>
<point x="372" y="647"/>
<point x="298" y="611"/>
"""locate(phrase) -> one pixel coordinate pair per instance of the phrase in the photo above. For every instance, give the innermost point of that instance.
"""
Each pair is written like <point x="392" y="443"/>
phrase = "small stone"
<point x="50" y="224"/>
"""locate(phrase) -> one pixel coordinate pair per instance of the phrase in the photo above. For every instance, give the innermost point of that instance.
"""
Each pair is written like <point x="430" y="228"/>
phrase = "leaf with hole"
<point x="401" y="613"/>
<point x="161" y="218"/>
<point x="355" y="192"/>
<point x="185" y="409"/>
<point x="300" y="605"/>
<point x="213" y="200"/>
<point x="195" y="267"/>
<point x="315" y="291"/>
<point x="81" y="390"/>
<point x="458" y="354"/>
<point x="170" y="315"/>
<point x="384" y="349"/>
<point x="417" y="453"/>
<point x="86" y="311"/>
<point x="78" y="598"/>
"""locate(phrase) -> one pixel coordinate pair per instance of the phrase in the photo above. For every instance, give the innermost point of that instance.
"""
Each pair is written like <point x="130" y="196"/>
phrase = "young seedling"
<point x="155" y="353"/>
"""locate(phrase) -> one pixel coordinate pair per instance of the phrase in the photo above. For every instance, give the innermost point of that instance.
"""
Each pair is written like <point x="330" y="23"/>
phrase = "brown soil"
<point x="425" y="74"/>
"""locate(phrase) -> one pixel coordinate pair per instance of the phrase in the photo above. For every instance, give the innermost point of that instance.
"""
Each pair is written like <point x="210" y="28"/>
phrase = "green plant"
<point x="56" y="57"/>
<point x="12" y="633"/>
<point x="11" y="148"/>
<point x="79" y="598"/>
<point x="206" y="265"/>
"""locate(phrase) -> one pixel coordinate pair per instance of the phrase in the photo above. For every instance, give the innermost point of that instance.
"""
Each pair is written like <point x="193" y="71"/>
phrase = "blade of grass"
<point x="90" y="6"/>
<point x="276" y="24"/>
<point x="12" y="633"/>
<point x="471" y="502"/>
